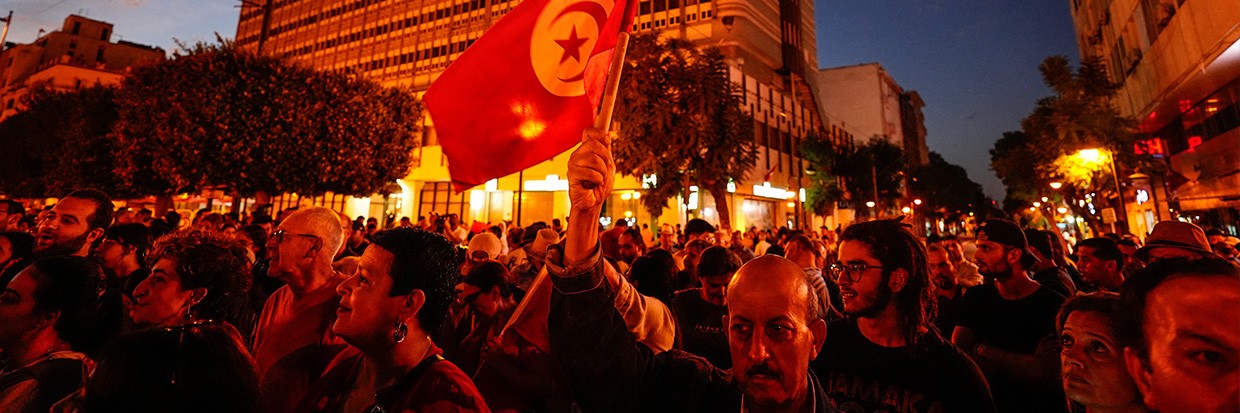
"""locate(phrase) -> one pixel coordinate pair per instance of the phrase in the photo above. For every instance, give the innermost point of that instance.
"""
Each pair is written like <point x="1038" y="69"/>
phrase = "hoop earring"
<point x="400" y="332"/>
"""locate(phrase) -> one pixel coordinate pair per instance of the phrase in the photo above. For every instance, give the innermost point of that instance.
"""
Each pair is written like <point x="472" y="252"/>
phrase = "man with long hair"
<point x="888" y="342"/>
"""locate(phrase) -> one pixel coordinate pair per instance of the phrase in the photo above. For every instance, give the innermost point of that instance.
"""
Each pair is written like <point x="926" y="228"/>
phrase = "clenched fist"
<point x="591" y="172"/>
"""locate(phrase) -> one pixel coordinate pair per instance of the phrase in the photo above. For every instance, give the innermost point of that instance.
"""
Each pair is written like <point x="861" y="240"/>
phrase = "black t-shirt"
<point x="864" y="377"/>
<point x="949" y="313"/>
<point x="699" y="328"/>
<point x="1014" y="326"/>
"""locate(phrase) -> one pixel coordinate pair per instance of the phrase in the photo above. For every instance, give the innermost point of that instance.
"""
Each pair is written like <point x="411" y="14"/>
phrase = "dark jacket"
<point x="609" y="371"/>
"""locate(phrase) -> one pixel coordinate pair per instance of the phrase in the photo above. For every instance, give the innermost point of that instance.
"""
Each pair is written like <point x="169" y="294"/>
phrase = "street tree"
<point x="1078" y="116"/>
<point x="872" y="172"/>
<point x="60" y="142"/>
<point x="681" y="120"/>
<point x="946" y="190"/>
<point x="218" y="117"/>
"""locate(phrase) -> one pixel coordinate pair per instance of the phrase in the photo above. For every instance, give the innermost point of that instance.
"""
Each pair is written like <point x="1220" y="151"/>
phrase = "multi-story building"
<point x="770" y="47"/>
<point x="1179" y="65"/>
<point x="81" y="54"/>
<point x="867" y="101"/>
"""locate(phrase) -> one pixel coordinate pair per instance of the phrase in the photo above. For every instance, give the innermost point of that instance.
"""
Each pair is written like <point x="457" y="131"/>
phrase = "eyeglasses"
<point x="855" y="270"/>
<point x="278" y="235"/>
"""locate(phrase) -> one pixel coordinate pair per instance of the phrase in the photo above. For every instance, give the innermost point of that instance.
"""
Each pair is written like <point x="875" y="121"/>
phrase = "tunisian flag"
<point x="524" y="92"/>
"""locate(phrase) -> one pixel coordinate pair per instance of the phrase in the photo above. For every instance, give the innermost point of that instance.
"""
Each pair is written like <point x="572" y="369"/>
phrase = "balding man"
<point x="773" y="326"/>
<point x="293" y="341"/>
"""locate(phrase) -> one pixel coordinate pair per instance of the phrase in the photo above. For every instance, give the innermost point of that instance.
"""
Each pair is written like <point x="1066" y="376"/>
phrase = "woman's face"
<point x="17" y="318"/>
<point x="160" y="300"/>
<point x="1092" y="364"/>
<point x="367" y="314"/>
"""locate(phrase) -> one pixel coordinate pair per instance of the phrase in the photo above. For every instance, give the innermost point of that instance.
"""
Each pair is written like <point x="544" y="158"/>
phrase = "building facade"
<point x="1179" y="65"/>
<point x="81" y="54"/>
<point x="770" y="46"/>
<point x="865" y="100"/>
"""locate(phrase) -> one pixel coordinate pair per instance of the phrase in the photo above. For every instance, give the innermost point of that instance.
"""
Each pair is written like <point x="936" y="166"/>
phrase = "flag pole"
<point x="606" y="107"/>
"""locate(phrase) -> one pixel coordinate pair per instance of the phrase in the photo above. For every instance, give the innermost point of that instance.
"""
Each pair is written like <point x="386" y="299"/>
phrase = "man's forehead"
<point x="73" y="207"/>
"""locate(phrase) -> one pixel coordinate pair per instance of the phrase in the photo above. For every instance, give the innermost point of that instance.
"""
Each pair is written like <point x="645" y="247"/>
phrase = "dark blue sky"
<point x="975" y="63"/>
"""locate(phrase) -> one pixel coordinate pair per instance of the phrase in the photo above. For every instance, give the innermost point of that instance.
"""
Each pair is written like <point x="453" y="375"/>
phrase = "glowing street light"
<point x="1056" y="185"/>
<point x="1098" y="156"/>
<point x="869" y="204"/>
<point x="1037" y="204"/>
<point x="917" y="201"/>
<point x="906" y="210"/>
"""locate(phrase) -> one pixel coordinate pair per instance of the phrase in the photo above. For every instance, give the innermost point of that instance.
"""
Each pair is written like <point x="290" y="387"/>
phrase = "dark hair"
<point x="101" y="217"/>
<point x="421" y="261"/>
<point x="698" y="226"/>
<point x="490" y="274"/>
<point x="1104" y="249"/>
<point x="200" y="367"/>
<point x="636" y="235"/>
<point x="937" y="238"/>
<point x="131" y="235"/>
<point x="22" y="243"/>
<point x="891" y="243"/>
<point x="1101" y="302"/>
<point x="1040" y="241"/>
<point x="259" y="236"/>
<point x="1136" y="289"/>
<point x="1126" y="242"/>
<point x="654" y="277"/>
<point x="717" y="261"/>
<point x="211" y="260"/>
<point x="13" y="207"/>
<point x="90" y="315"/>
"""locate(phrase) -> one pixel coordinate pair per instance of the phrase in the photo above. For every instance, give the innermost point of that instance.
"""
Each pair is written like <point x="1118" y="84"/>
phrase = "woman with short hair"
<point x="1091" y="362"/>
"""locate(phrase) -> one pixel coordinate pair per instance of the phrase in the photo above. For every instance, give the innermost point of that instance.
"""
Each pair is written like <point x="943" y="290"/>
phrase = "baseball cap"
<point x="1004" y="232"/>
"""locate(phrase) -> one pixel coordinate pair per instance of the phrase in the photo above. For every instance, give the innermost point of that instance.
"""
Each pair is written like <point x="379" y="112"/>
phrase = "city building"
<point x="80" y="54"/>
<point x="770" y="46"/>
<point x="865" y="100"/>
<point x="1179" y="66"/>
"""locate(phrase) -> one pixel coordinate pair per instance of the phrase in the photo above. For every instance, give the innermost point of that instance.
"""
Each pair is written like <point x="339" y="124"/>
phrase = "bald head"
<point x="320" y="221"/>
<point x="771" y="277"/>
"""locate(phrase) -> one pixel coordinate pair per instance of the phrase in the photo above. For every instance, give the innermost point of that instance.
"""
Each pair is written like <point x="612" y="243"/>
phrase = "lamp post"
<point x="1095" y="155"/>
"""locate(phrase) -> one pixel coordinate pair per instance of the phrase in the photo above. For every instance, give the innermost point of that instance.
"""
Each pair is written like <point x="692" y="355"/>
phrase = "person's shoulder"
<point x="446" y="385"/>
<point x="1048" y="295"/>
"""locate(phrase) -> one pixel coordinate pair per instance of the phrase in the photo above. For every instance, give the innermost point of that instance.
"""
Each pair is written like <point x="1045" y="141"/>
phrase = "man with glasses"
<point x="1007" y="325"/>
<point x="886" y="355"/>
<point x="293" y="341"/>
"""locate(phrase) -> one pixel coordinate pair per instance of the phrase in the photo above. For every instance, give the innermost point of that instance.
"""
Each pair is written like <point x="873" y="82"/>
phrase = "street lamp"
<point x="1093" y="155"/>
<point x="1056" y="185"/>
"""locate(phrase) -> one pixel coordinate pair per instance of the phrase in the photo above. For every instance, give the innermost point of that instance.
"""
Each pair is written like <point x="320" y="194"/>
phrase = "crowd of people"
<point x="312" y="311"/>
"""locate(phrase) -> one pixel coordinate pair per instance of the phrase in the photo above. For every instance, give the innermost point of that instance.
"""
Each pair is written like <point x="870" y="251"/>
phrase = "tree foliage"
<point x="60" y="143"/>
<point x="220" y="117"/>
<point x="878" y="165"/>
<point x="1077" y="116"/>
<point x="681" y="120"/>
<point x="946" y="190"/>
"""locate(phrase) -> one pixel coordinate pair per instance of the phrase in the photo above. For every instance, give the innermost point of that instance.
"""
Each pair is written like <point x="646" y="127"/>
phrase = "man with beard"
<point x="1008" y="326"/>
<point x="74" y="224"/>
<point x="886" y="355"/>
<point x="950" y="292"/>
<point x="966" y="272"/>
<point x="772" y="325"/>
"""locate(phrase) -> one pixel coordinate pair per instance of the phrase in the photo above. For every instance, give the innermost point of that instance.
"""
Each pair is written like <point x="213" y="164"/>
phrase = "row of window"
<point x="655" y="6"/>
<point x="412" y="21"/>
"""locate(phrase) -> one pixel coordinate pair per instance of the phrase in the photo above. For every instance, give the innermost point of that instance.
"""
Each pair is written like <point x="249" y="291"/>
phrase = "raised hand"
<point x="591" y="172"/>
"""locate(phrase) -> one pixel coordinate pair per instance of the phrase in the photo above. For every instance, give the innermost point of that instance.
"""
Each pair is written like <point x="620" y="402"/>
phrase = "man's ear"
<point x="1013" y="256"/>
<point x="818" y="329"/>
<point x="897" y="280"/>
<point x="93" y="235"/>
<point x="1141" y="376"/>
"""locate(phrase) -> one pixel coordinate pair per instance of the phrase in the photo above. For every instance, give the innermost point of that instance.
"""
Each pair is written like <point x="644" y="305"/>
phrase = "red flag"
<point x="526" y="89"/>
